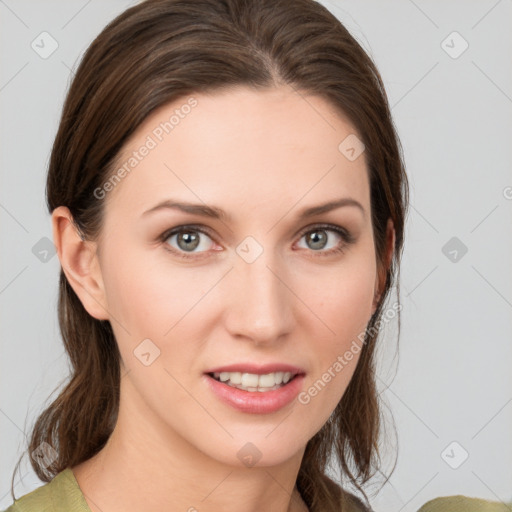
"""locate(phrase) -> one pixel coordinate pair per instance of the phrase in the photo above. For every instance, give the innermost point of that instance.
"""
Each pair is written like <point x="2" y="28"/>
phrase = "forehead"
<point x="243" y="147"/>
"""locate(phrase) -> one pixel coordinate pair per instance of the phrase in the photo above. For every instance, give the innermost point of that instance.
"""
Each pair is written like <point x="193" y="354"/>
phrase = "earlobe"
<point x="79" y="262"/>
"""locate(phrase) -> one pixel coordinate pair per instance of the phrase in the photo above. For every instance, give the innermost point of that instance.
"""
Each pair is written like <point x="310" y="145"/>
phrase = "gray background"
<point x="452" y="382"/>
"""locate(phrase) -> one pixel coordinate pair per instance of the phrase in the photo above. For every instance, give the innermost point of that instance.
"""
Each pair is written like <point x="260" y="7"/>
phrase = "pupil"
<point x="188" y="237"/>
<point x="318" y="238"/>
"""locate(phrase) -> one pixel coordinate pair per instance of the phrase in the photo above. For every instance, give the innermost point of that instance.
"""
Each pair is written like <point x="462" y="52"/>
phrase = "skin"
<point x="262" y="157"/>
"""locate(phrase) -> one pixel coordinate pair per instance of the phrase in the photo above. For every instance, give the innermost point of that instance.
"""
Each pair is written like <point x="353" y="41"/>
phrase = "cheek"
<point x="345" y="298"/>
<point x="152" y="298"/>
<point x="149" y="294"/>
<point x="155" y="301"/>
<point x="349" y="307"/>
<point x="343" y="301"/>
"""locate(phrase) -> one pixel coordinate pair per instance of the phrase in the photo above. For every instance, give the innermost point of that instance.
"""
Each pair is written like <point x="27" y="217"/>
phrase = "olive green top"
<point x="63" y="494"/>
<point x="464" y="504"/>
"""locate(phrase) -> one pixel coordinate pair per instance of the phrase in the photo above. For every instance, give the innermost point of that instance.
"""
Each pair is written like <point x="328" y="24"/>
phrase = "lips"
<point x="233" y="385"/>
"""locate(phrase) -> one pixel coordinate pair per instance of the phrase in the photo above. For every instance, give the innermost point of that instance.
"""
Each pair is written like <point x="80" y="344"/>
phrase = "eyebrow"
<point x="217" y="213"/>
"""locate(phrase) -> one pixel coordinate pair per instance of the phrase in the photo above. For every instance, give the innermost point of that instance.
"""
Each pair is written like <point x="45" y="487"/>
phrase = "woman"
<point x="233" y="372"/>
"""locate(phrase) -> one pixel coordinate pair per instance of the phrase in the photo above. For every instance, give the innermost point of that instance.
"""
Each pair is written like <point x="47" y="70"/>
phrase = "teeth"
<point x="252" y="381"/>
<point x="266" y="381"/>
<point x="235" y="377"/>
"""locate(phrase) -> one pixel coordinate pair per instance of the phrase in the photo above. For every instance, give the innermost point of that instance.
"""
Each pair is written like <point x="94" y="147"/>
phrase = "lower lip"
<point x="257" y="402"/>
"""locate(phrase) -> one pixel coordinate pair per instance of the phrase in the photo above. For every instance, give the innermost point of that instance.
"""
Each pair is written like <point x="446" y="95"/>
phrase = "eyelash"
<point x="340" y="249"/>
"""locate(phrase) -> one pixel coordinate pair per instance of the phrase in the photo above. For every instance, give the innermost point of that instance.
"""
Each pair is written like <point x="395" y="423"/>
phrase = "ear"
<point x="80" y="264"/>
<point x="380" y="281"/>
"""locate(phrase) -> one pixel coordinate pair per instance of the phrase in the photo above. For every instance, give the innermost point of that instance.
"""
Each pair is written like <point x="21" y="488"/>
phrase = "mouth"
<point x="255" y="388"/>
<point x="255" y="382"/>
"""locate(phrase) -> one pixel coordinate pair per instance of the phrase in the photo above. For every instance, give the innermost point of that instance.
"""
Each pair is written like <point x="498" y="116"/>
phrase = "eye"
<point x="187" y="240"/>
<point x="184" y="240"/>
<point x="317" y="239"/>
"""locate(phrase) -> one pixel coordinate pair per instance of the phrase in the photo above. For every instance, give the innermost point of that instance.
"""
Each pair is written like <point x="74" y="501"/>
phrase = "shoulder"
<point x="464" y="504"/>
<point x="61" y="494"/>
<point x="39" y="499"/>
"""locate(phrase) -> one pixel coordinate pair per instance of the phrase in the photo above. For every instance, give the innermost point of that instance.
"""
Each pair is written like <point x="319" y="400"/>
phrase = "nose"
<point x="260" y="305"/>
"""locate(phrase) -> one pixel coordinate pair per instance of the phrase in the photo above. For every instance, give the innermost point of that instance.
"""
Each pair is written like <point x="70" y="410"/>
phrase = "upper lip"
<point x="257" y="369"/>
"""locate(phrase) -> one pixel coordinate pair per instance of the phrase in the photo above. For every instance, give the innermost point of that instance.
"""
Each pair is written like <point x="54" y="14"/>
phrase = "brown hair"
<point x="150" y="55"/>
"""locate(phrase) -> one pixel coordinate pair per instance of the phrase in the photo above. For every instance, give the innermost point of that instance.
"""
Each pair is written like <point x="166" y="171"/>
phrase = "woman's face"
<point x="258" y="283"/>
